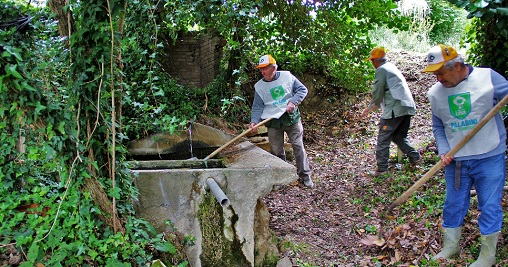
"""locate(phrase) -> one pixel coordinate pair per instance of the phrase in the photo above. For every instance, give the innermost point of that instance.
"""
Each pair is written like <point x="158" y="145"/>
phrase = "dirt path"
<point x="323" y="226"/>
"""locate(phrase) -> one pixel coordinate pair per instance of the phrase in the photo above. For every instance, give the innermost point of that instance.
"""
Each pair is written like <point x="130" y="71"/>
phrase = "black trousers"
<point x="395" y="130"/>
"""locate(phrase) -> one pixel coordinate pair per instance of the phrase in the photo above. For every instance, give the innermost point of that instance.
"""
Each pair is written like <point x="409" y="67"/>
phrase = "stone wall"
<point x="193" y="60"/>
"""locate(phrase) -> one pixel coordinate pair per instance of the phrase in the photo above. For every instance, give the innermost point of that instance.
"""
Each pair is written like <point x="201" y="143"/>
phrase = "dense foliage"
<point x="58" y="197"/>
<point x="77" y="82"/>
<point x="488" y="34"/>
<point x="448" y="22"/>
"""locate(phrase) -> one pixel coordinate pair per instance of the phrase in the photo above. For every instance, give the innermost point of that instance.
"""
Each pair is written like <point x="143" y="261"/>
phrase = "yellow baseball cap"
<point x="377" y="52"/>
<point x="265" y="61"/>
<point x="437" y="57"/>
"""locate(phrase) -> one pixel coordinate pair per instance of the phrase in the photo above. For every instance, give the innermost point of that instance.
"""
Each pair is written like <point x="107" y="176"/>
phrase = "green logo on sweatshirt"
<point x="460" y="105"/>
<point x="277" y="92"/>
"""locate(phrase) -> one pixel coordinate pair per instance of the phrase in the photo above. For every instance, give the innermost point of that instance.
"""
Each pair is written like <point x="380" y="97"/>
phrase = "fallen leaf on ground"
<point x="373" y="240"/>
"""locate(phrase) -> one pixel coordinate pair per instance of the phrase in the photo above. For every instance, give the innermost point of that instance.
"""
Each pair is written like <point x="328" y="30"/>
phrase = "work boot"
<point x="451" y="237"/>
<point x="415" y="164"/>
<point x="487" y="256"/>
<point x="308" y="182"/>
<point x="377" y="173"/>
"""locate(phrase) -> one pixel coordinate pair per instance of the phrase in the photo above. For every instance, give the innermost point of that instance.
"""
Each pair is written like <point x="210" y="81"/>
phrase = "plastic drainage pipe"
<point x="217" y="192"/>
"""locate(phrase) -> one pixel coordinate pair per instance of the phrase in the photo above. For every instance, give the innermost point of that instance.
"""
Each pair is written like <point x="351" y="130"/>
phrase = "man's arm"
<point x="378" y="91"/>
<point x="299" y="92"/>
<point x="257" y="109"/>
<point x="443" y="146"/>
<point x="500" y="85"/>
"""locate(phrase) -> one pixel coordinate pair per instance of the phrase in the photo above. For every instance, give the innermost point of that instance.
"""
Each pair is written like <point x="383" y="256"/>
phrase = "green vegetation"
<point x="431" y="22"/>
<point x="218" y="252"/>
<point x="77" y="82"/>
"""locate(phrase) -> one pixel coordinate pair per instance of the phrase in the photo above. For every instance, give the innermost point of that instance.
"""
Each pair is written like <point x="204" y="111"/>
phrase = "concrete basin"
<point x="176" y="191"/>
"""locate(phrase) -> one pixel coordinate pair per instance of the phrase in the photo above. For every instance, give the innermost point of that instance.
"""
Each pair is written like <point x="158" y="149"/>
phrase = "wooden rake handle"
<point x="402" y="198"/>
<point x="235" y="139"/>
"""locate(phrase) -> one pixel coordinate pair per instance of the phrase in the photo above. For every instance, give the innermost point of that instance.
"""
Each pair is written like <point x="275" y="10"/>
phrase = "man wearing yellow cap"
<point x="277" y="95"/>
<point x="391" y="94"/>
<point x="459" y="100"/>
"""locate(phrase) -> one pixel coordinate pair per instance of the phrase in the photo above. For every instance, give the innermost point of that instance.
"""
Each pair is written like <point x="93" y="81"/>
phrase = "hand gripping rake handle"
<point x="402" y="198"/>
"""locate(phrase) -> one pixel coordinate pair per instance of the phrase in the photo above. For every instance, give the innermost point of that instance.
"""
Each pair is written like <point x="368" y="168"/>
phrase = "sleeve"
<point x="500" y="85"/>
<point x="378" y="91"/>
<point x="439" y="134"/>
<point x="257" y="109"/>
<point x="299" y="92"/>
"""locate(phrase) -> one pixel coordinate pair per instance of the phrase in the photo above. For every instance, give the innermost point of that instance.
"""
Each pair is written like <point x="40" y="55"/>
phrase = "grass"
<point x="417" y="39"/>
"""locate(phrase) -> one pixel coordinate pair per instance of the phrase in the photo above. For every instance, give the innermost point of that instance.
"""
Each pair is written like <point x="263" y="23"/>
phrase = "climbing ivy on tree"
<point x="66" y="192"/>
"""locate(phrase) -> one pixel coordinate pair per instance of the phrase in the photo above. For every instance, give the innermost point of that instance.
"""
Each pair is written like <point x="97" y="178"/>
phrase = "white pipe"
<point x="217" y="192"/>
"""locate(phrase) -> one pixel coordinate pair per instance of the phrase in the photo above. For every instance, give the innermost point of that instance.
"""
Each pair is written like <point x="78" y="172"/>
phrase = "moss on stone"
<point x="217" y="250"/>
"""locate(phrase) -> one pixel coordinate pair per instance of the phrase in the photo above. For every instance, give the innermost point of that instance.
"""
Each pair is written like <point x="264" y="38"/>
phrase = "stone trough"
<point x="217" y="202"/>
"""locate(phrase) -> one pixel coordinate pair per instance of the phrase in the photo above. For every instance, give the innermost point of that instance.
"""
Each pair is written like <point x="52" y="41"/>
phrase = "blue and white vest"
<point x="462" y="107"/>
<point x="275" y="94"/>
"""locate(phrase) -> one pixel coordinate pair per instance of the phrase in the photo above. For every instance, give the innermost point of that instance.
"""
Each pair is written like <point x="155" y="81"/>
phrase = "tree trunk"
<point x="101" y="199"/>
<point x="98" y="195"/>
<point x="65" y="20"/>
<point x="66" y="27"/>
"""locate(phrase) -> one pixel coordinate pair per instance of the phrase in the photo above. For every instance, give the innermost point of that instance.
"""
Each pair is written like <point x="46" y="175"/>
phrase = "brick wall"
<point x="193" y="61"/>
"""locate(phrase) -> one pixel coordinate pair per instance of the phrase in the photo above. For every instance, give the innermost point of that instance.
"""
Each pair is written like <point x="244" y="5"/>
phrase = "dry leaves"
<point x="331" y="218"/>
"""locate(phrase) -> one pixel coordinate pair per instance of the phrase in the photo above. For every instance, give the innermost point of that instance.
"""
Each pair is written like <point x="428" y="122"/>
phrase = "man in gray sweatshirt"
<point x="391" y="94"/>
<point x="277" y="95"/>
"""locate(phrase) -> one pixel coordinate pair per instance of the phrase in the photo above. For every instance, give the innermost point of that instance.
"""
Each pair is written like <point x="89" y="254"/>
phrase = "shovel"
<point x="402" y="198"/>
<point x="235" y="139"/>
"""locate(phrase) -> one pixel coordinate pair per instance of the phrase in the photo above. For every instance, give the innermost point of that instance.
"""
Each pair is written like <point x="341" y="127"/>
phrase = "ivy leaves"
<point x="488" y="33"/>
<point x="487" y="10"/>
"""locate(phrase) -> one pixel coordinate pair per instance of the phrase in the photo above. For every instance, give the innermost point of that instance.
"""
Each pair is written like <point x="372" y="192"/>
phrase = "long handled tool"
<point x="402" y="198"/>
<point x="452" y="152"/>
<point x="234" y="139"/>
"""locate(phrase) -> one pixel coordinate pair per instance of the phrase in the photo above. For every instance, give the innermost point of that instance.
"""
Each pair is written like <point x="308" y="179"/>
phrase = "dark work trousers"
<point x="393" y="130"/>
